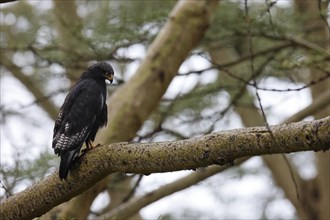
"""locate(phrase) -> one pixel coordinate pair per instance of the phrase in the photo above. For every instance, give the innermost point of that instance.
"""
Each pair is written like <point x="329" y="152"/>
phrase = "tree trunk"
<point x="310" y="12"/>
<point x="127" y="110"/>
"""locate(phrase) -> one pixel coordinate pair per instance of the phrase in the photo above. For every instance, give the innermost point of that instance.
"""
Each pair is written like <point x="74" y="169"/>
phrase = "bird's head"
<point x="100" y="70"/>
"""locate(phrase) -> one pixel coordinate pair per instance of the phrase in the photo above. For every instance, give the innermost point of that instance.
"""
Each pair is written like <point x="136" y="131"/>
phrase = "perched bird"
<point x="83" y="112"/>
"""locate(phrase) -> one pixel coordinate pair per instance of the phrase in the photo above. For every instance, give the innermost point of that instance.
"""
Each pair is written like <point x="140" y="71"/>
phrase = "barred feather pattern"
<point x="65" y="142"/>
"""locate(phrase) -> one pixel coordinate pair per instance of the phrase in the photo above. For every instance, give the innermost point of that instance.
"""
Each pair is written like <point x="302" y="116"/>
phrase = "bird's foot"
<point x="89" y="145"/>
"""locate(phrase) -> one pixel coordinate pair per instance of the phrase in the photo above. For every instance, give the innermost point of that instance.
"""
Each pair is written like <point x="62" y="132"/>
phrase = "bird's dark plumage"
<point x="83" y="112"/>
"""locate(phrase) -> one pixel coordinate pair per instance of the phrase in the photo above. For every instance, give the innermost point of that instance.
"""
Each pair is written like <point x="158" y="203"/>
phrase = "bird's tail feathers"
<point x="66" y="163"/>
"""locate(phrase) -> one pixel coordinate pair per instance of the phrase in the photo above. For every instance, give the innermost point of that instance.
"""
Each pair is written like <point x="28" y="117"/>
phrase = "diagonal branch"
<point x="145" y="89"/>
<point x="217" y="148"/>
<point x="128" y="209"/>
<point x="46" y="103"/>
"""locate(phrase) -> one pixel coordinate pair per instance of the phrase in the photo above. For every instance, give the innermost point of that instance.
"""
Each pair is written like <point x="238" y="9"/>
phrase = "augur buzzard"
<point x="83" y="112"/>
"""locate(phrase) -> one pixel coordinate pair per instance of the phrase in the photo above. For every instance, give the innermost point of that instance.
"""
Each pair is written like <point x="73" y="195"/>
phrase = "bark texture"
<point x="135" y="204"/>
<point x="217" y="148"/>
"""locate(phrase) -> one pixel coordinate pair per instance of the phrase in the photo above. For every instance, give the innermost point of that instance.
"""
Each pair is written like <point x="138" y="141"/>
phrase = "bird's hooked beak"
<point x="109" y="77"/>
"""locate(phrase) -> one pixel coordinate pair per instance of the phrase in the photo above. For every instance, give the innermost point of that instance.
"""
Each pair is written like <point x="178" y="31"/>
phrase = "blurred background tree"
<point x="259" y="63"/>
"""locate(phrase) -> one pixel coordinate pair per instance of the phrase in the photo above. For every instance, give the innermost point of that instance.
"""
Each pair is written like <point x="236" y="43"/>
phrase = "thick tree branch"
<point x="217" y="148"/>
<point x="137" y="98"/>
<point x="129" y="208"/>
